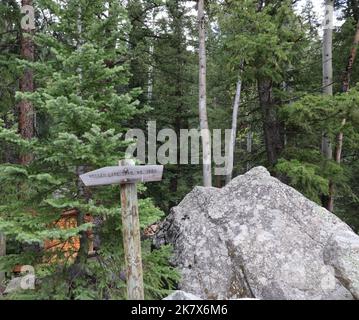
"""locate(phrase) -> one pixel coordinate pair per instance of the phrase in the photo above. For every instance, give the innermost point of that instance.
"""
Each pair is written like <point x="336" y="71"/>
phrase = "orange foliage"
<point x="69" y="248"/>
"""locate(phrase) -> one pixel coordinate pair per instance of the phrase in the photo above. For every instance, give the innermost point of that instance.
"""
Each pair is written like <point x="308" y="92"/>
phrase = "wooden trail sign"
<point x="127" y="175"/>
<point x="122" y="174"/>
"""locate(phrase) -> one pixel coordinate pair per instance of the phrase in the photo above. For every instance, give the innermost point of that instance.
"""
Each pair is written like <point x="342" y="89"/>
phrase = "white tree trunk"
<point x="326" y="147"/>
<point x="328" y="48"/>
<point x="232" y="143"/>
<point x="328" y="67"/>
<point x="206" y="137"/>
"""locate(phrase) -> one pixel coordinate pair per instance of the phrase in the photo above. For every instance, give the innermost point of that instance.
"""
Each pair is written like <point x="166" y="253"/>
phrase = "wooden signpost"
<point x="127" y="175"/>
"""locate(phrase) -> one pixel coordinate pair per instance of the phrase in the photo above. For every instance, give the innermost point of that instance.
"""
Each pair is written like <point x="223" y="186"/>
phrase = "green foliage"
<point x="304" y="177"/>
<point x="266" y="40"/>
<point x="308" y="170"/>
<point x="104" y="277"/>
<point x="85" y="104"/>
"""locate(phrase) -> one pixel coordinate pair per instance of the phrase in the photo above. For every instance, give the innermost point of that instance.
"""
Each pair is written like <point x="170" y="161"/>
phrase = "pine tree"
<point x="266" y="37"/>
<point x="10" y="31"/>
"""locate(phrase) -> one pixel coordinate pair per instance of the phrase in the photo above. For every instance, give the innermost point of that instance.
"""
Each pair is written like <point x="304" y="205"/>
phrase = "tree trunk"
<point x="206" y="137"/>
<point x="272" y="127"/>
<point x="26" y="109"/>
<point x="326" y="147"/>
<point x="232" y="143"/>
<point x="349" y="68"/>
<point x="83" y="251"/>
<point x="328" y="48"/>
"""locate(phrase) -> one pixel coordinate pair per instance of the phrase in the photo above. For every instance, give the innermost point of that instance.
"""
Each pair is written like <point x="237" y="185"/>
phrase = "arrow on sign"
<point x="122" y="175"/>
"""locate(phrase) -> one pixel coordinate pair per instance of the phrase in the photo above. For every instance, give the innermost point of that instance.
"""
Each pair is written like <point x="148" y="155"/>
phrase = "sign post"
<point x="131" y="238"/>
<point x="127" y="175"/>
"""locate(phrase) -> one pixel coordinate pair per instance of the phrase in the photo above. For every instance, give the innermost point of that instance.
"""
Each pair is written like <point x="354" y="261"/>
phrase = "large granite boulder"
<point x="259" y="238"/>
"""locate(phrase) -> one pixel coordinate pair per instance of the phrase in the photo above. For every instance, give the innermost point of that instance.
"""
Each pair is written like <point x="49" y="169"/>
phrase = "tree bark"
<point x="206" y="137"/>
<point x="232" y="142"/>
<point x="328" y="48"/>
<point x="131" y="238"/>
<point x="349" y="68"/>
<point x="326" y="147"/>
<point x="26" y="109"/>
<point x="272" y="127"/>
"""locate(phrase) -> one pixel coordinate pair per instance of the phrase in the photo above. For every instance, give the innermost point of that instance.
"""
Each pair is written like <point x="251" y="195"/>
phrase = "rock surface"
<point x="14" y="285"/>
<point x="181" y="295"/>
<point x="260" y="238"/>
